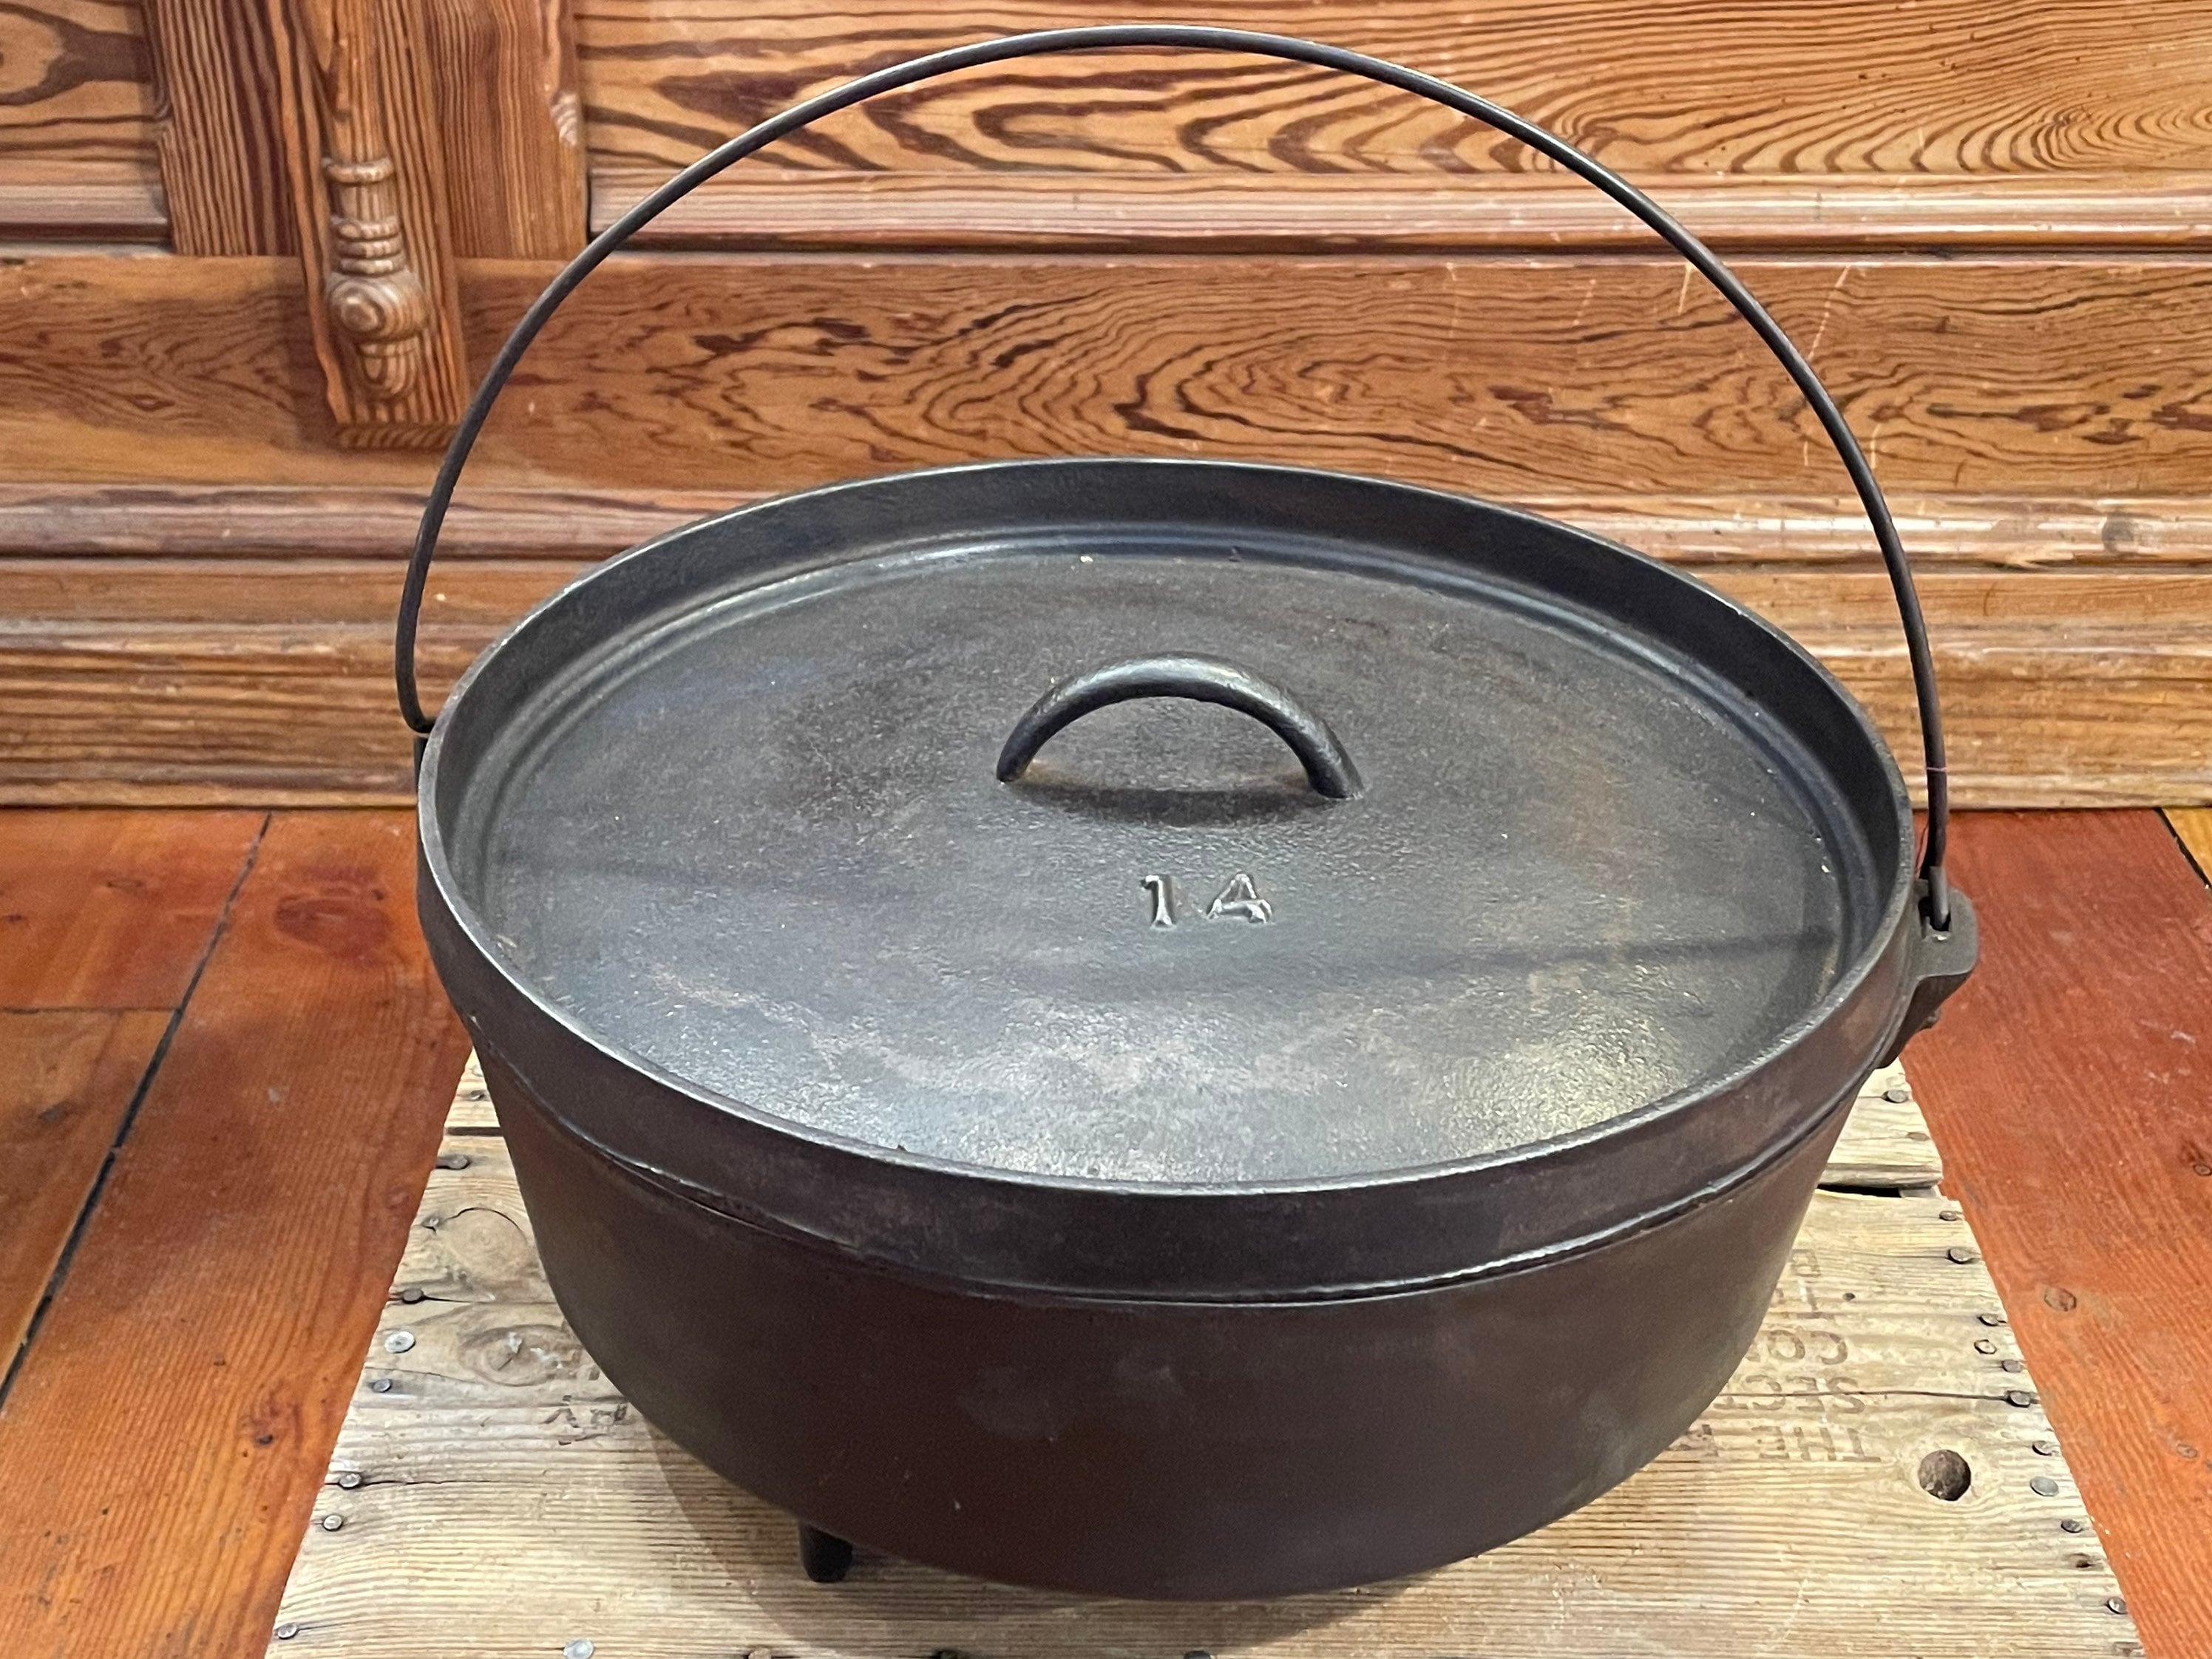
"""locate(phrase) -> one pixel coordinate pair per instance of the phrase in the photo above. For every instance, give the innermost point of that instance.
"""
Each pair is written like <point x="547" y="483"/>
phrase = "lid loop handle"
<point x="1200" y="679"/>
<point x="1937" y="901"/>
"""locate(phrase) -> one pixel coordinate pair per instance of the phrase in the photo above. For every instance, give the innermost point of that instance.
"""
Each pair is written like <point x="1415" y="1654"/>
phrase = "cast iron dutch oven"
<point x="1166" y="1027"/>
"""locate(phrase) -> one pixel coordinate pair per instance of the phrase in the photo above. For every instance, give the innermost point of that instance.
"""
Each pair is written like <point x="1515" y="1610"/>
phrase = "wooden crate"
<point x="491" y="1494"/>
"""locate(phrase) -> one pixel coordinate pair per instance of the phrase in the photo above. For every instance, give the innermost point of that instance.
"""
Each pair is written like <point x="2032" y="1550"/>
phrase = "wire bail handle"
<point x="1935" y="899"/>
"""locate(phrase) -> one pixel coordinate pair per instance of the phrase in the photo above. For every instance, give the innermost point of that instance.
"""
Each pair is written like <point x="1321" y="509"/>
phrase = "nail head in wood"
<point x="2043" y="1486"/>
<point x="331" y="1523"/>
<point x="2070" y="1524"/>
<point x="350" y="1480"/>
<point x="1960" y="1253"/>
<point x="399" y="1342"/>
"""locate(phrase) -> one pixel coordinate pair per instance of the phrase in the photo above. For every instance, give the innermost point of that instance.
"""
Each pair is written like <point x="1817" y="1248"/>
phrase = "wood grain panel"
<point x="113" y="909"/>
<point x="503" y="76"/>
<point x="66" y="1080"/>
<point x="2067" y="1086"/>
<point x="168" y="1429"/>
<point x="1519" y="378"/>
<point x="76" y="84"/>
<point x="1510" y="378"/>
<point x="220" y="131"/>
<point x="66" y="201"/>
<point x="753" y="207"/>
<point x="221" y="521"/>
<point x="1788" y="86"/>
<point x="79" y="122"/>
<point x="270" y="681"/>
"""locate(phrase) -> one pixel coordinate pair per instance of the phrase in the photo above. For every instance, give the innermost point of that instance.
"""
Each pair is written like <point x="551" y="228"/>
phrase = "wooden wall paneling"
<point x="222" y="159"/>
<point x="157" y="1487"/>
<point x="270" y="680"/>
<point x="1829" y="123"/>
<point x="1974" y="88"/>
<point x="367" y="166"/>
<point x="78" y="124"/>
<point x="503" y="76"/>
<point x="756" y="207"/>
<point x="1518" y="377"/>
<point x="2066" y="1087"/>
<point x="244" y="521"/>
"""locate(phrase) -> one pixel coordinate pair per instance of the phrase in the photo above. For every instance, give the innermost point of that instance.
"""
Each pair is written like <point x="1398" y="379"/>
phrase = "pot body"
<point x="1205" y="1389"/>
<point x="1199" y="1450"/>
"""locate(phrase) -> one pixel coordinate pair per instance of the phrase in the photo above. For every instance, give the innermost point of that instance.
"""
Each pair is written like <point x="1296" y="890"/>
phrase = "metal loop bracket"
<point x="1936" y="902"/>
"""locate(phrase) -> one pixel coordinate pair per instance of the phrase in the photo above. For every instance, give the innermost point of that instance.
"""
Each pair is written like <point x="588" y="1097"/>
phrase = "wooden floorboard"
<point x="172" y="1419"/>
<point x="112" y="908"/>
<point x="2069" y="1088"/>
<point x="2192" y="827"/>
<point x="67" y="1078"/>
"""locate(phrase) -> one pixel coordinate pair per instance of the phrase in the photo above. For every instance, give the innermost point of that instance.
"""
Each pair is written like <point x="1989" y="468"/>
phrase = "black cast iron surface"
<point x="1168" y="1028"/>
<point x="762" y="845"/>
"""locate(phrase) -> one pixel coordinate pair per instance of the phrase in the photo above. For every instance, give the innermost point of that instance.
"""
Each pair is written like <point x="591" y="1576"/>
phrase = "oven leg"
<point x="825" y="1556"/>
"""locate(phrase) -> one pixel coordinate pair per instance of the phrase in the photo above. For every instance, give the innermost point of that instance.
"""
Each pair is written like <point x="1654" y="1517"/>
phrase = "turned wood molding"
<point x="419" y="132"/>
<point x="368" y="166"/>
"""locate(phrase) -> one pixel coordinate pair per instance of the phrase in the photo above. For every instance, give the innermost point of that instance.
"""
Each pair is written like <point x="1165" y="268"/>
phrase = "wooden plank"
<point x="2067" y="1086"/>
<point x="67" y="201"/>
<point x="495" y="1495"/>
<point x="67" y="1078"/>
<point x="270" y="680"/>
<point x="503" y="75"/>
<point x="1519" y="378"/>
<point x="222" y="155"/>
<point x="167" y="1427"/>
<point x="2192" y="827"/>
<point x="335" y="521"/>
<point x="1885" y="1147"/>
<point x="758" y="206"/>
<point x="113" y="909"/>
<point x="1775" y="87"/>
<point x="78" y="86"/>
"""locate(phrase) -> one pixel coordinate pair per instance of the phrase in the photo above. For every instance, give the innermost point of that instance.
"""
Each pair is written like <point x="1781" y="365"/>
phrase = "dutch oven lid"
<point x="1461" y="869"/>
<point x="998" y="857"/>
